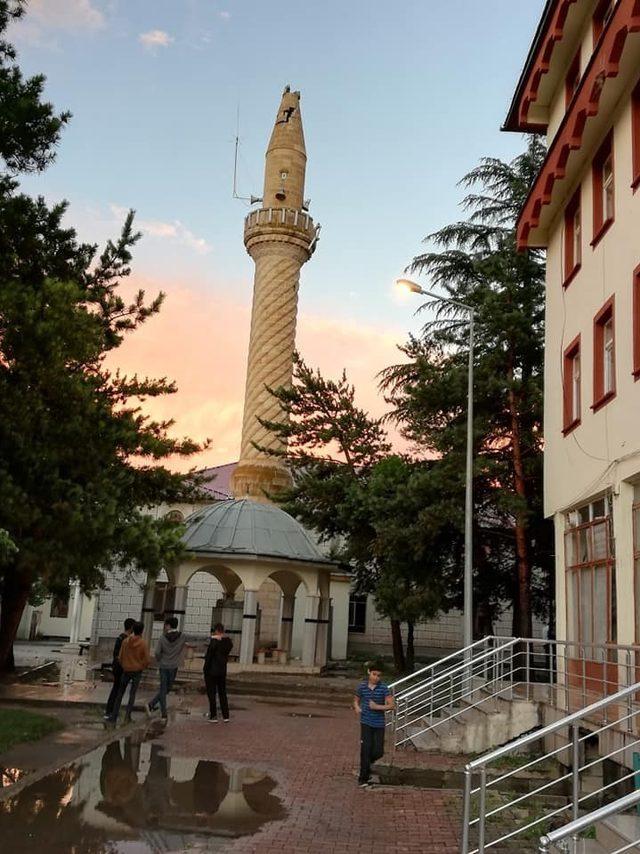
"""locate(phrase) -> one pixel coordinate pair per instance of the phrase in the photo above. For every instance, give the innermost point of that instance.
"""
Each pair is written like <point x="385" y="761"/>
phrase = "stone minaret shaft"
<point x="280" y="237"/>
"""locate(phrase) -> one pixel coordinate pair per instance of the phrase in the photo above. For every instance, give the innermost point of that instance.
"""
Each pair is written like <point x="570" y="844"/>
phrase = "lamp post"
<point x="467" y="611"/>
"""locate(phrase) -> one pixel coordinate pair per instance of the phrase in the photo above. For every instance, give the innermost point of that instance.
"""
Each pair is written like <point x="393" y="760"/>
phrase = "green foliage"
<point x="476" y="262"/>
<point x="19" y="725"/>
<point x="79" y="461"/>
<point x="371" y="505"/>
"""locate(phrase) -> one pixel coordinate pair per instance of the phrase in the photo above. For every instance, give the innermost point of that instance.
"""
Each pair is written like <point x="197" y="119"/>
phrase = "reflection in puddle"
<point x="129" y="797"/>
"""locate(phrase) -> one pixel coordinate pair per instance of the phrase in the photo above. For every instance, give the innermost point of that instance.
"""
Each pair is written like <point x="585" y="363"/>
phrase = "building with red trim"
<point x="581" y="87"/>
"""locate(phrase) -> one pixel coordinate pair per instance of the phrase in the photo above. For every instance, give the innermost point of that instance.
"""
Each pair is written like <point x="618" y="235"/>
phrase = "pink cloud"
<point x="200" y="340"/>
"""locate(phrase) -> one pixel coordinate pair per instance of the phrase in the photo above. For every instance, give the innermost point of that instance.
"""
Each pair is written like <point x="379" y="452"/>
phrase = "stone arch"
<point x="228" y="578"/>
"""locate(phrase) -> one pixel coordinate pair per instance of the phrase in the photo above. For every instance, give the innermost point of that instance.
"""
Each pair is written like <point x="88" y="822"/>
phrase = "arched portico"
<point x="244" y="544"/>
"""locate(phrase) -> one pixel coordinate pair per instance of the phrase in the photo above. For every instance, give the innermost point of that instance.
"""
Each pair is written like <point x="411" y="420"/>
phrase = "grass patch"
<point x="18" y="725"/>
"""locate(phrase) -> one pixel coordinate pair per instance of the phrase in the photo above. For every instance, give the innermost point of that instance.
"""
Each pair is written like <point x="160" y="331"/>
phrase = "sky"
<point x="399" y="101"/>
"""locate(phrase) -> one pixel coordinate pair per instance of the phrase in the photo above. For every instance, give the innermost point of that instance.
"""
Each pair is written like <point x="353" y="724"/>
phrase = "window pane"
<point x="583" y="547"/>
<point x="572" y="606"/>
<point x="599" y="509"/>
<point x="586" y="603"/>
<point x="583" y="513"/>
<point x="600" y="605"/>
<point x="600" y="546"/>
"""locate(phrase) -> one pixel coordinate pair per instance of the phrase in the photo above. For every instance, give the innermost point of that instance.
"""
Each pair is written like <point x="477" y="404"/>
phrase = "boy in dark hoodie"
<point x="169" y="650"/>
<point x="129" y="623"/>
<point x="134" y="659"/>
<point x="215" y="671"/>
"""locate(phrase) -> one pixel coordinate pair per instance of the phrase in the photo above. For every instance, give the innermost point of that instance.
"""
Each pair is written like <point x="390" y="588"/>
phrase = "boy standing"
<point x="169" y="651"/>
<point x="371" y="701"/>
<point x="115" y="666"/>
<point x="134" y="659"/>
<point x="215" y="671"/>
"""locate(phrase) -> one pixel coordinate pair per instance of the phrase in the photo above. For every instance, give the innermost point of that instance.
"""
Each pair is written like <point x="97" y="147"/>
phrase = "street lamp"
<point x="467" y="611"/>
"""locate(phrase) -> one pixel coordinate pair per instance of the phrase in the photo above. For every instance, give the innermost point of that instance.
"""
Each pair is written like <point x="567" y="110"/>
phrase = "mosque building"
<point x="249" y="564"/>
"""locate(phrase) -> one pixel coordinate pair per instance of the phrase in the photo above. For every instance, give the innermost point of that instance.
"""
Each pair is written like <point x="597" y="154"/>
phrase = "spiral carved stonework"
<point x="270" y="365"/>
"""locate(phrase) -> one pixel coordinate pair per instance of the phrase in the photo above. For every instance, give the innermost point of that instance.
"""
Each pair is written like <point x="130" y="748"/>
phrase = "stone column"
<point x="286" y="622"/>
<point x="180" y="605"/>
<point x="310" y="631"/>
<point x="322" y="636"/>
<point x="249" y="617"/>
<point x="147" y="610"/>
<point x="76" y="613"/>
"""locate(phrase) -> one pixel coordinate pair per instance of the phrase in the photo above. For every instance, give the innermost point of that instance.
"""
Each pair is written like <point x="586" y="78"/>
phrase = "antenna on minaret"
<point x="249" y="199"/>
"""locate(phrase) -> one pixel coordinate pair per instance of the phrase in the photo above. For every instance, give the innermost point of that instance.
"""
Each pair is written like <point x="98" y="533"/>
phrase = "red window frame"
<point x="569" y="421"/>
<point x="635" y="136"/>
<point x="636" y="322"/>
<point x="602" y="318"/>
<point x="601" y="18"/>
<point x="572" y="79"/>
<point x="602" y="223"/>
<point x="572" y="263"/>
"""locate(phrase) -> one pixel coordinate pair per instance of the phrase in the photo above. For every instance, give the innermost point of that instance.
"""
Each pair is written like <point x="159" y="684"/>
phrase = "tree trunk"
<point x="411" y="654"/>
<point x="398" y="650"/>
<point x="522" y="623"/>
<point x="15" y="594"/>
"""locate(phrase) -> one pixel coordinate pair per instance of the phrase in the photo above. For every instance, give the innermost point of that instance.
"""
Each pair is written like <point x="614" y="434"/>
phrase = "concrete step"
<point x="477" y="729"/>
<point x="619" y="830"/>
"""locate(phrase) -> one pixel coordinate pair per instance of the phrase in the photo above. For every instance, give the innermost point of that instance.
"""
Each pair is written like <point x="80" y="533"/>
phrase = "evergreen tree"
<point x="476" y="262"/>
<point x="79" y="461"/>
<point x="371" y="505"/>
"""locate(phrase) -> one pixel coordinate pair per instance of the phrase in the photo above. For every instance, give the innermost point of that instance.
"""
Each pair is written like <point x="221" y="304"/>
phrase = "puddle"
<point x="10" y="776"/>
<point x="129" y="797"/>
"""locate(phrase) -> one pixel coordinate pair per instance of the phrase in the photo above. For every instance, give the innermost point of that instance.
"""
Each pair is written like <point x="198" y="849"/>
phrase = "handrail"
<point x="585" y="821"/>
<point x="463" y="666"/>
<point x="483" y="761"/>
<point x="440" y="661"/>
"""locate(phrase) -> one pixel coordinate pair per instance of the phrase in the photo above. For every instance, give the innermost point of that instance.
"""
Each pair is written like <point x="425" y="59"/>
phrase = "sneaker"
<point x="106" y="717"/>
<point x="364" y="785"/>
<point x="148" y="710"/>
<point x="225" y="720"/>
<point x="164" y="719"/>
<point x="212" y="720"/>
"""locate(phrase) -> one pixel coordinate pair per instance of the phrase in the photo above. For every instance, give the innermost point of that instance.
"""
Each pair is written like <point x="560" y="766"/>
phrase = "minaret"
<point x="280" y="237"/>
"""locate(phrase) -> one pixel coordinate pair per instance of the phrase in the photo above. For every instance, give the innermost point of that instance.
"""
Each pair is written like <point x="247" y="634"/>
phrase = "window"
<point x="636" y="322"/>
<point x="163" y="599"/>
<point x="572" y="80"/>
<point x="572" y="238"/>
<point x="636" y="557"/>
<point x="357" y="613"/>
<point x="60" y="605"/>
<point x="590" y="574"/>
<point x="572" y="393"/>
<point x="635" y="135"/>
<point x="603" y="189"/>
<point x="604" y="355"/>
<point x="601" y="18"/>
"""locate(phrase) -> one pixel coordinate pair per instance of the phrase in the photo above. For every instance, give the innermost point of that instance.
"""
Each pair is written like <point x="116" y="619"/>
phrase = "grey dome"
<point x="245" y="527"/>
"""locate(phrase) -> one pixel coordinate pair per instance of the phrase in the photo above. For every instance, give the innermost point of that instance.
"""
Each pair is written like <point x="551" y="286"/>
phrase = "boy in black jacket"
<point x="215" y="671"/>
<point x="116" y="666"/>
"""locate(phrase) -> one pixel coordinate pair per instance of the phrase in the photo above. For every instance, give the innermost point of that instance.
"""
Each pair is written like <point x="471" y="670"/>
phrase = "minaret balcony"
<point x="278" y="223"/>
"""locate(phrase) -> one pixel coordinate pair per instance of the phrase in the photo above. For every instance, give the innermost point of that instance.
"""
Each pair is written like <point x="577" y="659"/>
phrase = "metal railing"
<point x="500" y="805"/>
<point x="568" y="837"/>
<point x="418" y="677"/>
<point x="485" y="672"/>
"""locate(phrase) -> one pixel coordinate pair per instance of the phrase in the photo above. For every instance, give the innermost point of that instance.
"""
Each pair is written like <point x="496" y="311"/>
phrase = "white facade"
<point x="592" y="397"/>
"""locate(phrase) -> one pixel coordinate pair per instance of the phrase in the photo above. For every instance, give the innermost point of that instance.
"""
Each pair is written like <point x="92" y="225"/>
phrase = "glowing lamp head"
<point x="408" y="286"/>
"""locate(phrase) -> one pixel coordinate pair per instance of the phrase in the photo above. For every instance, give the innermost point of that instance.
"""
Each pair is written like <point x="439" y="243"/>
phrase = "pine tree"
<point x="79" y="461"/>
<point x="372" y="506"/>
<point x="476" y="262"/>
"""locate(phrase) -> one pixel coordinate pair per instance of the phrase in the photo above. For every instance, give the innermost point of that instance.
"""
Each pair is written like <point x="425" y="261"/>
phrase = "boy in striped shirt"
<point x="371" y="701"/>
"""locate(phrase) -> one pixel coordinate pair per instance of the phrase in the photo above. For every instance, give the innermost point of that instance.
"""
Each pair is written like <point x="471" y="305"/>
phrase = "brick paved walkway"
<point x="314" y="761"/>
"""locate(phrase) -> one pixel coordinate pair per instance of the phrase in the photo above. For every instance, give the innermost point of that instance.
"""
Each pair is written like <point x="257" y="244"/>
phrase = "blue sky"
<point x="399" y="101"/>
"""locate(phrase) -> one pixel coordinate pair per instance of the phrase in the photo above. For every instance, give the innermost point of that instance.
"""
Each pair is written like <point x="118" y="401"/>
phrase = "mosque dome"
<point x="246" y="527"/>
